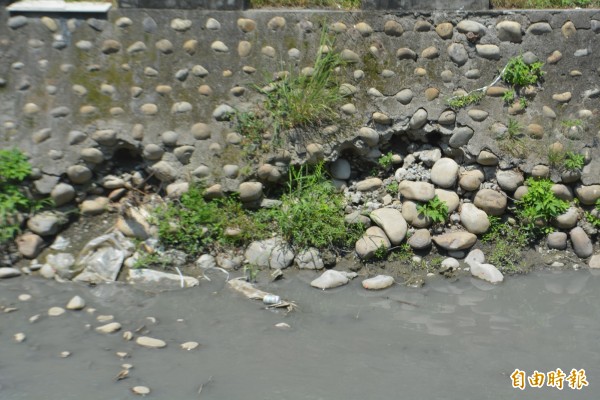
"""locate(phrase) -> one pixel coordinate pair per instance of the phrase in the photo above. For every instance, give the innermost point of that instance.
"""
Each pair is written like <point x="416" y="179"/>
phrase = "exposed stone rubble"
<point x="126" y="103"/>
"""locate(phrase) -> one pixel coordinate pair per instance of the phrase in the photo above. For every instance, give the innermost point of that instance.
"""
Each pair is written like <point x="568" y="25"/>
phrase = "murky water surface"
<point x="447" y="340"/>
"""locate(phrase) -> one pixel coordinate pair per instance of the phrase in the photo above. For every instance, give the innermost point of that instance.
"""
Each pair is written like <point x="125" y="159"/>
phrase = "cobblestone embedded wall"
<point x="147" y="87"/>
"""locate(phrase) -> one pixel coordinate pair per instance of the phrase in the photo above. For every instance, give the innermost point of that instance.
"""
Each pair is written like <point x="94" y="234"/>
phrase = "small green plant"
<point x="574" y="161"/>
<point x="555" y="157"/>
<point x="518" y="73"/>
<point x="539" y="206"/>
<point x="594" y="216"/>
<point x="511" y="140"/>
<point x="570" y="123"/>
<point x="392" y="188"/>
<point x="509" y="96"/>
<point x="14" y="169"/>
<point x="507" y="243"/>
<point x="251" y="272"/>
<point x="385" y="161"/>
<point x="381" y="253"/>
<point x="462" y="101"/>
<point x="523" y="102"/>
<point x="402" y="253"/>
<point x="435" y="209"/>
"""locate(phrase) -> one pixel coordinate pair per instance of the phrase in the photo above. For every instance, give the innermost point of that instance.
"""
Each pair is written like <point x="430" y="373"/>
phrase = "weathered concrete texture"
<point x="159" y="89"/>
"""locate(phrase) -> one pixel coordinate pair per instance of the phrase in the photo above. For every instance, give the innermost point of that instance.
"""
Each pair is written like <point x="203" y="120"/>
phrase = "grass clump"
<point x="507" y="243"/>
<point x="301" y="101"/>
<point x="14" y="169"/>
<point x="435" y="210"/>
<point x="511" y="140"/>
<point x="458" y="102"/>
<point x="312" y="212"/>
<point x="252" y="127"/>
<point x="539" y="206"/>
<point x="194" y="225"/>
<point x="570" y="123"/>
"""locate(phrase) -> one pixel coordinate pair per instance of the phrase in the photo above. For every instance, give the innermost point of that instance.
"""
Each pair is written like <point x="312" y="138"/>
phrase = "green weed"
<point x="195" y="225"/>
<point x="385" y="161"/>
<point x="555" y="157"/>
<point x="458" y="102"/>
<point x="574" y="161"/>
<point x="519" y="74"/>
<point x="392" y="188"/>
<point x="593" y="217"/>
<point x="570" y="123"/>
<point x="312" y="212"/>
<point x="509" y="96"/>
<point x="511" y="140"/>
<point x="539" y="206"/>
<point x="435" y="210"/>
<point x="299" y="100"/>
<point x="507" y="243"/>
<point x="14" y="169"/>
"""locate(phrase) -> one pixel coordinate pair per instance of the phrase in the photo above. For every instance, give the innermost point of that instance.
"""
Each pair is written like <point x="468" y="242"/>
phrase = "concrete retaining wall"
<point x="142" y="86"/>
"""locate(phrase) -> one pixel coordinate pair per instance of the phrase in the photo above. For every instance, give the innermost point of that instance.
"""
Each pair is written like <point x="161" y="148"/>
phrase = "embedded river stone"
<point x="30" y="245"/>
<point x="487" y="272"/>
<point x="455" y="240"/>
<point x="76" y="303"/>
<point x="392" y="223"/>
<point x="509" y="180"/>
<point x="250" y="191"/>
<point x="466" y="26"/>
<point x="473" y="219"/>
<point x="557" y="240"/>
<point x="378" y="282"/>
<point x="330" y="279"/>
<point x="109" y="328"/>
<point x="393" y="28"/>
<point x="150" y="342"/>
<point x="491" y="201"/>
<point x="420" y="191"/>
<point x="582" y="244"/>
<point x="587" y="195"/>
<point x="412" y="216"/>
<point x="420" y="240"/>
<point x="509" y="31"/>
<point x="369" y="184"/>
<point x="444" y="172"/>
<point x="449" y="197"/>
<point x="373" y="239"/>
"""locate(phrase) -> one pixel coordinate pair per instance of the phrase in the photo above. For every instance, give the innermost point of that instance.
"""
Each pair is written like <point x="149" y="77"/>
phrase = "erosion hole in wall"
<point x="127" y="158"/>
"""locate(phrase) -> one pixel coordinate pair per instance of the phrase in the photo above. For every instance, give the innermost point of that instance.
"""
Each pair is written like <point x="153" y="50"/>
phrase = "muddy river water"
<point x="446" y="340"/>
